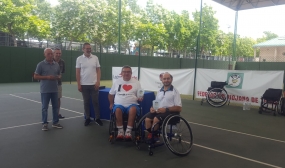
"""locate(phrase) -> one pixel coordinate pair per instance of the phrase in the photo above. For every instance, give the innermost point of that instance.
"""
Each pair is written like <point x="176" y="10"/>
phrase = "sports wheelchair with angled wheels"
<point x="113" y="130"/>
<point x="217" y="95"/>
<point x="271" y="101"/>
<point x="174" y="130"/>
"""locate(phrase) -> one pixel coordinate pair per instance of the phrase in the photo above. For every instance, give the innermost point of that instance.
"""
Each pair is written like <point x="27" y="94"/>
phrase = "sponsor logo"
<point x="235" y="80"/>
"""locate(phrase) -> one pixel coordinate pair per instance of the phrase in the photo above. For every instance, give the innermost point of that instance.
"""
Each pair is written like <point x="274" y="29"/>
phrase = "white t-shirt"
<point x="88" y="73"/>
<point x="169" y="98"/>
<point x="125" y="92"/>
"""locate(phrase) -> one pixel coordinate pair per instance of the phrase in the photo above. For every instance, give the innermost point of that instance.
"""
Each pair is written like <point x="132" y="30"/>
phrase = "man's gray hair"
<point x="56" y="49"/>
<point x="47" y="49"/>
<point x="126" y="66"/>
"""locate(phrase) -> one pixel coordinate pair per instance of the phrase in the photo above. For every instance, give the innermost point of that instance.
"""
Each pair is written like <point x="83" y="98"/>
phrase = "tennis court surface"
<point x="223" y="137"/>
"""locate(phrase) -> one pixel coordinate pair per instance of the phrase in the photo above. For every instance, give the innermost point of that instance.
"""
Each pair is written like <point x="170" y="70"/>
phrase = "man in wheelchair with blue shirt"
<point x="169" y="102"/>
<point x="123" y="99"/>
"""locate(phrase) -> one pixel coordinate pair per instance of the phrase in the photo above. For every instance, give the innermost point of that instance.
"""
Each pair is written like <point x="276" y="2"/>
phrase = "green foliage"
<point x="267" y="36"/>
<point x="96" y="21"/>
<point x="18" y="19"/>
<point x="209" y="28"/>
<point x="244" y="46"/>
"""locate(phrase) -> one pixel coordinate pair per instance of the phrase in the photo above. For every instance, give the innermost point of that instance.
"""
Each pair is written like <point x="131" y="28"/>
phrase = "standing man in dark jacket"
<point x="61" y="63"/>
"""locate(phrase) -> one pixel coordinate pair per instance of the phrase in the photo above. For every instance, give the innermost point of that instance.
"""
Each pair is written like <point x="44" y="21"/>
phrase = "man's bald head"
<point x="167" y="79"/>
<point x="167" y="75"/>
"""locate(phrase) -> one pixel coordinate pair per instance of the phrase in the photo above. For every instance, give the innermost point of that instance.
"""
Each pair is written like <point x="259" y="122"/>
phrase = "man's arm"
<point x="78" y="79"/>
<point x="63" y="67"/>
<point x="39" y="77"/>
<point x="98" y="71"/>
<point x="177" y="109"/>
<point x="111" y="101"/>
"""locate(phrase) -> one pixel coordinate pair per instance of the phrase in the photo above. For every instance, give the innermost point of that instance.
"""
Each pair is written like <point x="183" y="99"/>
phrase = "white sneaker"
<point x="120" y="135"/>
<point x="128" y="135"/>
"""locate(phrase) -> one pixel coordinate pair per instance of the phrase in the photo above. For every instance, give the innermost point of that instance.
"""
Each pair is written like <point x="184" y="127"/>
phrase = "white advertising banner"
<point x="182" y="79"/>
<point x="116" y="73"/>
<point x="242" y="85"/>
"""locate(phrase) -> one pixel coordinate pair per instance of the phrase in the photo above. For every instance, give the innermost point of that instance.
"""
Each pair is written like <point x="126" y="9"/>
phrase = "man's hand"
<point x="79" y="88"/>
<point x="152" y="110"/>
<point x="161" y="110"/>
<point x="111" y="106"/>
<point x="52" y="77"/>
<point x="97" y="85"/>
<point x="140" y="99"/>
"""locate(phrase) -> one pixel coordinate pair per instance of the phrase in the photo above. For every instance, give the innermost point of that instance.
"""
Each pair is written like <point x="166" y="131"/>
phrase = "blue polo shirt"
<point x="46" y="69"/>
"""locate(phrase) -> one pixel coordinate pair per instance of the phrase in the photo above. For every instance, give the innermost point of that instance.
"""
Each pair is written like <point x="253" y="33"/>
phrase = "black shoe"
<point x="99" y="122"/>
<point x="87" y="122"/>
<point x="60" y="116"/>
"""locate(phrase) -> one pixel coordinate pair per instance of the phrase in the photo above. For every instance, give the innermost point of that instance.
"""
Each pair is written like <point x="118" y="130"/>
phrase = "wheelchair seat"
<point x="113" y="130"/>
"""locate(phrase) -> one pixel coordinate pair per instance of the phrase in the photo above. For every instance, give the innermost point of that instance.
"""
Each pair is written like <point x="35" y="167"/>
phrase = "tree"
<point x="104" y="29"/>
<point x="152" y="34"/>
<point x="187" y="31"/>
<point x="244" y="46"/>
<point x="17" y="18"/>
<point x="151" y="28"/>
<point x="73" y="20"/>
<point x="209" y="30"/>
<point x="267" y="36"/>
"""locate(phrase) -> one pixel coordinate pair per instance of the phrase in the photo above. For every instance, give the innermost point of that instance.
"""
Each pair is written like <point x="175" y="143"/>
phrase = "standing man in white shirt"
<point x="88" y="76"/>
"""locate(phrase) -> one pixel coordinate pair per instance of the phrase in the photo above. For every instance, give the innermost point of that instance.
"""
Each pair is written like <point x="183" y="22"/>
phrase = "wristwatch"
<point x="166" y="109"/>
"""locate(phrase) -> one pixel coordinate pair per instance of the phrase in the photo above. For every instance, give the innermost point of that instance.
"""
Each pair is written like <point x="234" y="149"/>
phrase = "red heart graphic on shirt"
<point x="127" y="87"/>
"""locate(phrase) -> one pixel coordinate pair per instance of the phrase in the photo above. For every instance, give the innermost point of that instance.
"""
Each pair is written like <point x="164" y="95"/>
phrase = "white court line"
<point x="41" y="102"/>
<point x="72" y="98"/>
<point x="230" y="154"/>
<point x="226" y="153"/>
<point x="36" y="123"/>
<point x="29" y="93"/>
<point x="20" y="93"/>
<point x="276" y="140"/>
<point x="237" y="156"/>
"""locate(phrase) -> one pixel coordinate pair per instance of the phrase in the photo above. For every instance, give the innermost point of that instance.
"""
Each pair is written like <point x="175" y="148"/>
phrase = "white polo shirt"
<point x="87" y="65"/>
<point x="125" y="92"/>
<point x="168" y="98"/>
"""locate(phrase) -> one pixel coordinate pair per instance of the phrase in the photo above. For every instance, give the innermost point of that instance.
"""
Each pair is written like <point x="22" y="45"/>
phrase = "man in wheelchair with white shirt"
<point x="169" y="102"/>
<point x="123" y="99"/>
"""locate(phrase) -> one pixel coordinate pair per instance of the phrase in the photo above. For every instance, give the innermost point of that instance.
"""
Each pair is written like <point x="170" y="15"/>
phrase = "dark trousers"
<point x="88" y="91"/>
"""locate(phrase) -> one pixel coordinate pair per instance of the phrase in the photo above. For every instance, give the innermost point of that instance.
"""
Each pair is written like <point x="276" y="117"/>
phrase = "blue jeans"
<point x="46" y="97"/>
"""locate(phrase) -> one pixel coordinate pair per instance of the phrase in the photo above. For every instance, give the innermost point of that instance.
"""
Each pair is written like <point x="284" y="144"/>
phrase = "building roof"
<point x="249" y="4"/>
<point x="276" y="42"/>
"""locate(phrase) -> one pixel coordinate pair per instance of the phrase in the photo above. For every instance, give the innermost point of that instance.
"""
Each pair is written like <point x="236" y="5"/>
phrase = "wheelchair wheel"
<point x="217" y="97"/>
<point x="140" y="131"/>
<point x="112" y="129"/>
<point x="177" y="135"/>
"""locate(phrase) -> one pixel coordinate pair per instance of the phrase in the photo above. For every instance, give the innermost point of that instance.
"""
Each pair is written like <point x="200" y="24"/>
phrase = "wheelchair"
<point x="217" y="96"/>
<point x="271" y="101"/>
<point x="113" y="130"/>
<point x="175" y="131"/>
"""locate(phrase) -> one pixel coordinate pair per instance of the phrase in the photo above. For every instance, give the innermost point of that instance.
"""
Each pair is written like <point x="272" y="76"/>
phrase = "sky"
<point x="251" y="23"/>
